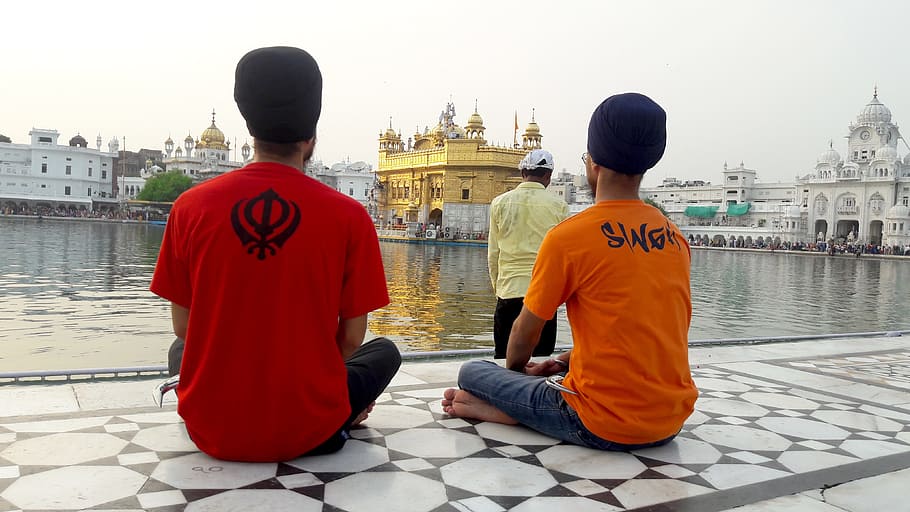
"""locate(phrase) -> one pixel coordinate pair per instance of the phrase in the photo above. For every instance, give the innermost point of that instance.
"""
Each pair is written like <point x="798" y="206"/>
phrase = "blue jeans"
<point x="531" y="402"/>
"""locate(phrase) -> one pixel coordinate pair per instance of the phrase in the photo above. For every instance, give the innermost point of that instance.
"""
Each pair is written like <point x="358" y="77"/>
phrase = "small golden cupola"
<point x="474" y="129"/>
<point x="390" y="141"/>
<point x="532" y="138"/>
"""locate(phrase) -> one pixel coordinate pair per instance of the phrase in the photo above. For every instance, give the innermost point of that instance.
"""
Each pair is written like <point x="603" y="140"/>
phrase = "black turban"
<point x="279" y="93"/>
<point x="627" y="133"/>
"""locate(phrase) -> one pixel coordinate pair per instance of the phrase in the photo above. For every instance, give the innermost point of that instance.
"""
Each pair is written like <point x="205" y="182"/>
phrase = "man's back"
<point x="263" y="257"/>
<point x="623" y="271"/>
<point x="519" y="219"/>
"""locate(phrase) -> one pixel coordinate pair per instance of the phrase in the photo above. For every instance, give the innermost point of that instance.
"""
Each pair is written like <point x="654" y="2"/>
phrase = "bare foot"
<point x="364" y="414"/>
<point x="457" y="402"/>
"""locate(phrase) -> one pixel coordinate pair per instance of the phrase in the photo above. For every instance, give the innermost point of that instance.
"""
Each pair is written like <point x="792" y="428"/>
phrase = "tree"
<point x="165" y="187"/>
<point x="4" y="138"/>
<point x="659" y="207"/>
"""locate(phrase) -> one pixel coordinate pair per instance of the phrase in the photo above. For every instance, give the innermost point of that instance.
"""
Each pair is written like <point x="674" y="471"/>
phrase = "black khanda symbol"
<point x="267" y="235"/>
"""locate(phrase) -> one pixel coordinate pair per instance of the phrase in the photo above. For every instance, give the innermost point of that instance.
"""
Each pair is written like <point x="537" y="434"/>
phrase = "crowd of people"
<point x="82" y="213"/>
<point x="831" y="246"/>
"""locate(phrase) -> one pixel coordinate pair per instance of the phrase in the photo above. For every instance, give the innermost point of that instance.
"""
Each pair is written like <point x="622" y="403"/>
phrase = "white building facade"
<point x="865" y="195"/>
<point x="355" y="180"/>
<point x="863" y="198"/>
<point x="44" y="173"/>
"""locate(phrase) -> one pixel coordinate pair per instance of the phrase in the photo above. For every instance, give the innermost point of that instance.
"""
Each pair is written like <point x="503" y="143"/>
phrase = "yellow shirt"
<point x="519" y="219"/>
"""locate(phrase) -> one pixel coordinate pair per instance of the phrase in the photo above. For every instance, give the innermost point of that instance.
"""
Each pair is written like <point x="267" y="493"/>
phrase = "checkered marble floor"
<point x="762" y="429"/>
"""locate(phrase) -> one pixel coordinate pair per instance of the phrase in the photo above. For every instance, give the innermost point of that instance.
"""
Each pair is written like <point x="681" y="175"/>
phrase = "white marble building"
<point x="205" y="157"/>
<point x="867" y="193"/>
<point x="355" y="180"/>
<point x="46" y="173"/>
<point x="862" y="198"/>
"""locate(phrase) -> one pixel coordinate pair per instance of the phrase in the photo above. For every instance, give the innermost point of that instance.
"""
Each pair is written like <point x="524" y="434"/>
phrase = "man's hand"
<point x="544" y="368"/>
<point x="522" y="339"/>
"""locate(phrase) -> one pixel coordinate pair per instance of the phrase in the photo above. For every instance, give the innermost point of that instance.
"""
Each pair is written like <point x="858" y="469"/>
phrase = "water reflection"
<point x="75" y="294"/>
<point x="747" y="294"/>
<point x="440" y="296"/>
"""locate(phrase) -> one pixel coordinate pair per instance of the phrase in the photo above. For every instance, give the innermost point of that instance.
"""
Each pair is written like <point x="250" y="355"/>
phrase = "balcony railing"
<point x="847" y="209"/>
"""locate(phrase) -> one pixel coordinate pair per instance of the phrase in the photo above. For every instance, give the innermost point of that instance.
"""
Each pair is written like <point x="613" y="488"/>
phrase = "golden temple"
<point x="447" y="175"/>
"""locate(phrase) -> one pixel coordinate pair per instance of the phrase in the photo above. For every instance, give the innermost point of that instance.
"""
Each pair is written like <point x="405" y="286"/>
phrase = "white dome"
<point x="830" y="156"/>
<point x="898" y="211"/>
<point x="875" y="112"/>
<point x="886" y="153"/>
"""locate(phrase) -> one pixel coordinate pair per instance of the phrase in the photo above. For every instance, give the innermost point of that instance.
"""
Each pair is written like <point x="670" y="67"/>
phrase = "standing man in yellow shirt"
<point x="519" y="219"/>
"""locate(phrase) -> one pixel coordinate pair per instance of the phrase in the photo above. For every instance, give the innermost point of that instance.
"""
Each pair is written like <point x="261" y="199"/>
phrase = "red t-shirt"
<point x="267" y="260"/>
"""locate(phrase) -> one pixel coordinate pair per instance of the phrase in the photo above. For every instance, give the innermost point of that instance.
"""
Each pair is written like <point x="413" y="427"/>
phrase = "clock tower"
<point x="872" y="132"/>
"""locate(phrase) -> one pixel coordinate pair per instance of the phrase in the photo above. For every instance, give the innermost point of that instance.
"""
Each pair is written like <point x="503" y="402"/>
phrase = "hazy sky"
<point x="767" y="83"/>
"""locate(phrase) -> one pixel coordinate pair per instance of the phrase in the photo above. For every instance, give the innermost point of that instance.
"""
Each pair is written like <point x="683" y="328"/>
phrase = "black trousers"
<point x="507" y="311"/>
<point x="370" y="369"/>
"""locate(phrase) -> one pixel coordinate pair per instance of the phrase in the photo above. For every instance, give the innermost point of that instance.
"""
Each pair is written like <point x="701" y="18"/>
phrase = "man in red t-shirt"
<point x="271" y="275"/>
<point x="622" y="270"/>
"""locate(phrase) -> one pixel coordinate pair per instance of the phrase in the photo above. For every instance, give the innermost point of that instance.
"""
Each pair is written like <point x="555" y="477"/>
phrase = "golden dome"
<point x="212" y="137"/>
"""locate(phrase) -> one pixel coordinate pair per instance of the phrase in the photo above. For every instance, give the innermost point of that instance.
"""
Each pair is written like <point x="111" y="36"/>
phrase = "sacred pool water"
<point x="75" y="295"/>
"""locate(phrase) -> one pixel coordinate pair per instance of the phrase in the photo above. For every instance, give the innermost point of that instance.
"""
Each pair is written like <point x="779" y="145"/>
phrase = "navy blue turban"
<point x="627" y="133"/>
<point x="279" y="93"/>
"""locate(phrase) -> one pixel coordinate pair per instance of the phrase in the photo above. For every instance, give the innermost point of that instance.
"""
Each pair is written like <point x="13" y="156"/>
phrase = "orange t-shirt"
<point x="622" y="269"/>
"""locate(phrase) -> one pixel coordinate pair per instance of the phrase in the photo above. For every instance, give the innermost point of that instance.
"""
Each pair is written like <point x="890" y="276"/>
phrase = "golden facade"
<point x="447" y="175"/>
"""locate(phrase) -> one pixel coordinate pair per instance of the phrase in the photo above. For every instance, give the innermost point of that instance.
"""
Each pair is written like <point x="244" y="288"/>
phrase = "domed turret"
<point x="830" y="157"/>
<point x="389" y="140"/>
<point x="474" y="129"/>
<point x="78" y="142"/>
<point x="532" y="138"/>
<point x="188" y="145"/>
<point x="874" y="112"/>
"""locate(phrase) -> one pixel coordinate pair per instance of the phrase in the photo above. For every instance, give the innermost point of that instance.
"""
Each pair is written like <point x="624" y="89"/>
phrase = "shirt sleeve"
<point x="171" y="280"/>
<point x="551" y="280"/>
<point x="493" y="247"/>
<point x="364" y="287"/>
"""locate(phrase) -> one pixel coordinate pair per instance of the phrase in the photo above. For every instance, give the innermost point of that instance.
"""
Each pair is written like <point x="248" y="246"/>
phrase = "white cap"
<point x="536" y="159"/>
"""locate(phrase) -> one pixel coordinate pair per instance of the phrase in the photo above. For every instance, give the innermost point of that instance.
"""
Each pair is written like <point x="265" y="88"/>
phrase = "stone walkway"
<point x="821" y="426"/>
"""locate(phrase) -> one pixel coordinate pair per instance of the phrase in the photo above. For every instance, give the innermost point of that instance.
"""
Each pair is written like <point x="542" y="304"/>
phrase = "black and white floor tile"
<point x="754" y="426"/>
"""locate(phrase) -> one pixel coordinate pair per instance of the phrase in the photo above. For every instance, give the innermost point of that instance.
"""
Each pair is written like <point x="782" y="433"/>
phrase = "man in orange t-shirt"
<point x="272" y="305"/>
<point x="622" y="269"/>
